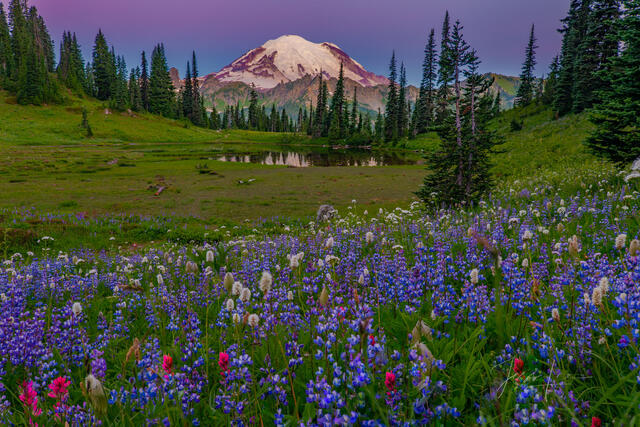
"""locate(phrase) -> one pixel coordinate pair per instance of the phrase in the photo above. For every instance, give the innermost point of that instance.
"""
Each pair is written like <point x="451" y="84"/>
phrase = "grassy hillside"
<point x="544" y="145"/>
<point x="60" y="124"/>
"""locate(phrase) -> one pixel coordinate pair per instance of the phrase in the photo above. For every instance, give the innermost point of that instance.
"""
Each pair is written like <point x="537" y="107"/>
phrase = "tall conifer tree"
<point x="594" y="51"/>
<point x="6" y="51"/>
<point x="402" y="107"/>
<point x="445" y="71"/>
<point x="391" y="116"/>
<point x="104" y="69"/>
<point x="423" y="112"/>
<point x="617" y="133"/>
<point x="144" y="82"/>
<point x="337" y="110"/>
<point x="526" y="90"/>
<point x="161" y="91"/>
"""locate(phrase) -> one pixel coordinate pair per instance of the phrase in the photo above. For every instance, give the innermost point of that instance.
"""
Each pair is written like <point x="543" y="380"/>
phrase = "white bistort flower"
<point x="265" y="282"/>
<point x="236" y="288"/>
<point x="328" y="244"/>
<point x="368" y="237"/>
<point x="76" y="308"/>
<point x="253" y="320"/>
<point x="245" y="294"/>
<point x="474" y="276"/>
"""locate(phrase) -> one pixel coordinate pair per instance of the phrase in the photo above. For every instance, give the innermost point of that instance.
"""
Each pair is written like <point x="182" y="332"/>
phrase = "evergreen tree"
<point x="402" y="108"/>
<point x="497" y="105"/>
<point x="33" y="55"/>
<point x="551" y="84"/>
<point x="104" y="68"/>
<point x="187" y="95"/>
<point x="526" y="90"/>
<point x="71" y="65"/>
<point x="337" y="110"/>
<point x="479" y="140"/>
<point x="6" y="51"/>
<point x="594" y="51"/>
<point x="423" y="112"/>
<point x="120" y="92"/>
<point x="448" y="164"/>
<point x="353" y="124"/>
<point x="144" y="82"/>
<point x="214" y="119"/>
<point x="445" y="72"/>
<point x="321" y="107"/>
<point x="135" y="96"/>
<point x="20" y="39"/>
<point x="42" y="40"/>
<point x="617" y="133"/>
<point x="89" y="80"/>
<point x="574" y="29"/>
<point x="161" y="91"/>
<point x="391" y="116"/>
<point x="311" y="123"/>
<point x="253" y="108"/>
<point x="197" y="115"/>
<point x="273" y="119"/>
<point x="379" y="128"/>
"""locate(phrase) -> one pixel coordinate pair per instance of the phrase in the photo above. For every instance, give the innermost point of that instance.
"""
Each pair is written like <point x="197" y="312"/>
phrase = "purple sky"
<point x="368" y="30"/>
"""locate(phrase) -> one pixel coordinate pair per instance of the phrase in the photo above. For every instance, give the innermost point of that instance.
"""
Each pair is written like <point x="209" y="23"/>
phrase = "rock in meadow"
<point x="325" y="213"/>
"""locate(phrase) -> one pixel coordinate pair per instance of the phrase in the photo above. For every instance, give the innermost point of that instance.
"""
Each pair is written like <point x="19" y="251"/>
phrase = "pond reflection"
<point x="294" y="159"/>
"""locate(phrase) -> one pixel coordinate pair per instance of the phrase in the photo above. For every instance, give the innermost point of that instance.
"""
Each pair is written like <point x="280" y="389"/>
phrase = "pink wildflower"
<point x="167" y="364"/>
<point x="223" y="362"/>
<point x="59" y="388"/>
<point x="29" y="398"/>
<point x="390" y="381"/>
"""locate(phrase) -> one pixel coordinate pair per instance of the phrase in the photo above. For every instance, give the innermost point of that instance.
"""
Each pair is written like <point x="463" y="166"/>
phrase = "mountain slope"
<point x="289" y="58"/>
<point x="285" y="70"/>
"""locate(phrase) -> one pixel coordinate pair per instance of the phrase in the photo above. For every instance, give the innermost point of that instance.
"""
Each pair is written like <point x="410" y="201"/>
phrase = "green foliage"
<point x="392" y="113"/>
<point x="459" y="171"/>
<point x="104" y="68"/>
<point x="617" y="133"/>
<point x="516" y="125"/>
<point x="338" y="127"/>
<point x="526" y="90"/>
<point x="71" y="65"/>
<point x="423" y="113"/>
<point x="161" y="95"/>
<point x="598" y="45"/>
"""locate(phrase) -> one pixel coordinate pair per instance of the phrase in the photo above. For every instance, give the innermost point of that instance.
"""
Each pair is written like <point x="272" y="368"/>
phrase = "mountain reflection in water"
<point x="324" y="159"/>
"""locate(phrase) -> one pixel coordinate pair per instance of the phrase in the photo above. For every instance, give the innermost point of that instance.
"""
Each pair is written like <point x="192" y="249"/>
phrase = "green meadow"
<point x="49" y="165"/>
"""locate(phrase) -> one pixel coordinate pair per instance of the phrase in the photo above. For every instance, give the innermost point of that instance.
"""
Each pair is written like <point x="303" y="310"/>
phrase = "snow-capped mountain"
<point x="285" y="72"/>
<point x="289" y="58"/>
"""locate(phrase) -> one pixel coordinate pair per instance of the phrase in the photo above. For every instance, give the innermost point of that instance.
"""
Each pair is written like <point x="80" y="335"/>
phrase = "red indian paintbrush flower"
<point x="29" y="398"/>
<point x="518" y="366"/>
<point x="167" y="364"/>
<point x="59" y="388"/>
<point x="390" y="381"/>
<point x="596" y="422"/>
<point x="223" y="362"/>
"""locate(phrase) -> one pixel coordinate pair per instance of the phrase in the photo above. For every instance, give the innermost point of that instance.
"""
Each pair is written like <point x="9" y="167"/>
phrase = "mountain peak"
<point x="291" y="57"/>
